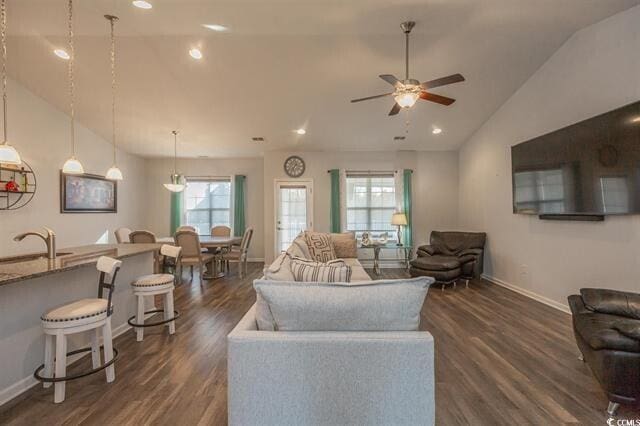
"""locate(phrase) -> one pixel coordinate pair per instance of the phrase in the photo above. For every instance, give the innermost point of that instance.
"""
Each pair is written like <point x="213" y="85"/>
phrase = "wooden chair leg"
<point x="95" y="348"/>
<point x="48" y="358"/>
<point x="60" y="366"/>
<point x="108" y="349"/>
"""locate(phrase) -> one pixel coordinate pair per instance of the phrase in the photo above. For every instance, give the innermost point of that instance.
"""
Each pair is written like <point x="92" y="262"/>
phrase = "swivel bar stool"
<point x="77" y="317"/>
<point x="152" y="285"/>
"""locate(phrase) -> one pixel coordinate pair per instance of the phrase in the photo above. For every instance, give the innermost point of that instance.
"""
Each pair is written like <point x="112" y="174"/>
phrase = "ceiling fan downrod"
<point x="407" y="27"/>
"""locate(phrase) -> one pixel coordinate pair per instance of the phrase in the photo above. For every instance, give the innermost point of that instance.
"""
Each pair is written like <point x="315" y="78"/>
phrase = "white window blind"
<point x="371" y="202"/>
<point x="207" y="203"/>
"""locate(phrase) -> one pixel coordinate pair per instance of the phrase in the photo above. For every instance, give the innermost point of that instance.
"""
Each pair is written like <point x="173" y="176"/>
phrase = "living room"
<point x="254" y="152"/>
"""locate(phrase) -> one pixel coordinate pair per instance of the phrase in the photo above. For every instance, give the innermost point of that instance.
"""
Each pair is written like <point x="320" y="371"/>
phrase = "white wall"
<point x="41" y="134"/>
<point x="435" y="186"/>
<point x="595" y="71"/>
<point x="158" y="198"/>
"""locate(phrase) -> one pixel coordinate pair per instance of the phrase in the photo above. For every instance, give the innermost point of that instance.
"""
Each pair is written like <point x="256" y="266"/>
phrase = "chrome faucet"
<point x="49" y="239"/>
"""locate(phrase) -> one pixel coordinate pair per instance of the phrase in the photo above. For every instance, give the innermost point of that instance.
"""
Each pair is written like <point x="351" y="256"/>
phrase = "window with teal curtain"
<point x="176" y="212"/>
<point x="406" y="201"/>
<point x="238" y="206"/>
<point x="334" y="218"/>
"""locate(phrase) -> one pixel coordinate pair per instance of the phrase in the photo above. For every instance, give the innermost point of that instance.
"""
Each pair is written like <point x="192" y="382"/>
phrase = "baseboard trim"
<point x="255" y="259"/>
<point x="527" y="293"/>
<point x="28" y="382"/>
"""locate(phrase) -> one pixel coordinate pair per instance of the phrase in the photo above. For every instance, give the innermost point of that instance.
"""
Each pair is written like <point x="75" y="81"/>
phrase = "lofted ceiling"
<point x="287" y="64"/>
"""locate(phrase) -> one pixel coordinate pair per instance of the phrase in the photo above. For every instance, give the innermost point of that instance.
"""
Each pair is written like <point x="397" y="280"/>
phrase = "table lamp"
<point x="399" y="220"/>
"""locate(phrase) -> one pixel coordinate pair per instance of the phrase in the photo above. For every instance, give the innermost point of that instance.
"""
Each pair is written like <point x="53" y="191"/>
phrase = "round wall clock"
<point x="294" y="166"/>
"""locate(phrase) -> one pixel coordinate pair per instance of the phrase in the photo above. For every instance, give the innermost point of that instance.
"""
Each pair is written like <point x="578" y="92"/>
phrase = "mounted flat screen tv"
<point x="591" y="168"/>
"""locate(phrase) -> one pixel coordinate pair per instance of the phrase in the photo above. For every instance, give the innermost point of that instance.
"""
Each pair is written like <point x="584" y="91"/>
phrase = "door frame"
<point x="276" y="184"/>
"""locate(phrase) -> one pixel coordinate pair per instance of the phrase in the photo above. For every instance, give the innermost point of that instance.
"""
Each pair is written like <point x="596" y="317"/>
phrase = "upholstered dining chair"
<point x="220" y="231"/>
<point x="122" y="235"/>
<point x="186" y="228"/>
<point x="142" y="237"/>
<point x="239" y="254"/>
<point x="192" y="254"/>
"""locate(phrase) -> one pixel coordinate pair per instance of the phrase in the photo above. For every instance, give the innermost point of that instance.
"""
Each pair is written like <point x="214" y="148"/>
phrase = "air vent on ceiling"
<point x="399" y="138"/>
<point x="258" y="139"/>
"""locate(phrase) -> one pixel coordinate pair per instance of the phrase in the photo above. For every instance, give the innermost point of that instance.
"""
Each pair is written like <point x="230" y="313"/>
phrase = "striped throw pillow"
<point x="335" y="271"/>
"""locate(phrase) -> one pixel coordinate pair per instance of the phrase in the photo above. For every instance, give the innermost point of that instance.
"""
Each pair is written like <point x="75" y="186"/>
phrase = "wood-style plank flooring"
<point x="501" y="358"/>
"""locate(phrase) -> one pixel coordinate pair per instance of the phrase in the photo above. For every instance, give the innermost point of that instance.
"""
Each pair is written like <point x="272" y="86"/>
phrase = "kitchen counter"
<point x="24" y="267"/>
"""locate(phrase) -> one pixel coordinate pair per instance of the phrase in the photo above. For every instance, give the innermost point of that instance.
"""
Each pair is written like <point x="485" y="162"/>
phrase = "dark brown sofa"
<point x="450" y="256"/>
<point x="606" y="324"/>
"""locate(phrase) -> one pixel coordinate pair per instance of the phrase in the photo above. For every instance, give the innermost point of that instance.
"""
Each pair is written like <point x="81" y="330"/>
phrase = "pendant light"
<point x="8" y="154"/>
<point x="72" y="166"/>
<point x="114" y="172"/>
<point x="177" y="183"/>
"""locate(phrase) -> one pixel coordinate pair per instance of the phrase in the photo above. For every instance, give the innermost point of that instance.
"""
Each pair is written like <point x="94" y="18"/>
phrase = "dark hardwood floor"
<point x="501" y="358"/>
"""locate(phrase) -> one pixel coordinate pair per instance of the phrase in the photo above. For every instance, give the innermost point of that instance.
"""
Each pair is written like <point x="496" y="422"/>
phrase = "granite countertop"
<point x="25" y="267"/>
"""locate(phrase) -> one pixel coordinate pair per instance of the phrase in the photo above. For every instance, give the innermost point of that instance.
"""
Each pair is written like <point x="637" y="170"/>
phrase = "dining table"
<point x="213" y="245"/>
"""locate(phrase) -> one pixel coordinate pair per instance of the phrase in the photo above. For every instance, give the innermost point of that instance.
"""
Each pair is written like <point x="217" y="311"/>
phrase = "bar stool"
<point x="77" y="317"/>
<point x="152" y="285"/>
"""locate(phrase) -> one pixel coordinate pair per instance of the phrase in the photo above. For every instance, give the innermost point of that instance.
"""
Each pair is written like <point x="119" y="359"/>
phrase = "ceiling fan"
<point x="408" y="91"/>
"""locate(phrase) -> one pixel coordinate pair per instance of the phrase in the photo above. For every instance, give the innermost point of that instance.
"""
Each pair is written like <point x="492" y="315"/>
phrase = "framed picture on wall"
<point x="87" y="194"/>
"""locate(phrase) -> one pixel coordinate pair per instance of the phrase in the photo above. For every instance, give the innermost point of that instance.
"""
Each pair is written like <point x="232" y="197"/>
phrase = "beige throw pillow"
<point x="345" y="245"/>
<point x="299" y="248"/>
<point x="320" y="246"/>
<point x="280" y="269"/>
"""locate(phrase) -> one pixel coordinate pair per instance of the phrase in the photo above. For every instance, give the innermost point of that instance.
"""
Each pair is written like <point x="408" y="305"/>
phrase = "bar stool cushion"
<point x="80" y="312"/>
<point x="154" y="282"/>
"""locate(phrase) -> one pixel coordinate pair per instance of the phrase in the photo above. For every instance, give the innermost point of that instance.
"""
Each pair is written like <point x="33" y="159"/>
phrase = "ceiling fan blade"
<point x="436" y="98"/>
<point x="390" y="79"/>
<point x="396" y="109"/>
<point x="450" y="79"/>
<point x="371" y="97"/>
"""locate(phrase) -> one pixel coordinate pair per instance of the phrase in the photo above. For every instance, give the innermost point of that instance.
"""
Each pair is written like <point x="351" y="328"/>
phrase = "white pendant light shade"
<point x="178" y="183"/>
<point x="72" y="167"/>
<point x="114" y="173"/>
<point x="9" y="155"/>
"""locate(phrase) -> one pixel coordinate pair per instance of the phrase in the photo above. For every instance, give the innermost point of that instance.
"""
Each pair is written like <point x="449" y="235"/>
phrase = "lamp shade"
<point x="72" y="167"/>
<point x="399" y="219"/>
<point x="177" y="183"/>
<point x="9" y="155"/>
<point x="114" y="173"/>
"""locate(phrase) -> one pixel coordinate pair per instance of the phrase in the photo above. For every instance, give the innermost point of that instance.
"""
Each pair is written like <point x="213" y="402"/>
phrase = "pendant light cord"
<point x="112" y="19"/>
<point x="3" y="30"/>
<point x="71" y="83"/>
<point x="175" y="151"/>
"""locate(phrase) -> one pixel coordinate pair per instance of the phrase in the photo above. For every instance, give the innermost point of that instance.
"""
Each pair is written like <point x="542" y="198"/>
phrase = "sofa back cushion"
<point x="451" y="243"/>
<point x="320" y="247"/>
<point x="345" y="245"/>
<point x="387" y="305"/>
<point x="280" y="269"/>
<point x="612" y="302"/>
<point x="311" y="271"/>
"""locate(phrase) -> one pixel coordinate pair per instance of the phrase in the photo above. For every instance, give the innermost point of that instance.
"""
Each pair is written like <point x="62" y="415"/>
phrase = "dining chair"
<point x="187" y="228"/>
<point x="192" y="254"/>
<point x="240" y="254"/>
<point x="122" y="235"/>
<point x="142" y="237"/>
<point x="220" y="231"/>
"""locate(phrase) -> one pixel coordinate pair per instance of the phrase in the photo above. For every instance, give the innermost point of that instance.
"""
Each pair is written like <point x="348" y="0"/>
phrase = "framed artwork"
<point x="87" y="194"/>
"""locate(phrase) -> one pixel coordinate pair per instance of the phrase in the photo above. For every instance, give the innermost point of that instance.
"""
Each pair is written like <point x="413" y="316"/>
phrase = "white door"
<point x="294" y="211"/>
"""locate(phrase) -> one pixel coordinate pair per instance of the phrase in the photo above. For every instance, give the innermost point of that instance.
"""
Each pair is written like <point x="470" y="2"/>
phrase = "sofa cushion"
<point x="612" y="302"/>
<point x="299" y="248"/>
<point x="320" y="246"/>
<point x="388" y="305"/>
<point x="345" y="245"/>
<point x="358" y="273"/>
<point x="436" y="263"/>
<point x="280" y="269"/>
<point x="599" y="332"/>
<point x="310" y="271"/>
<point x="629" y="328"/>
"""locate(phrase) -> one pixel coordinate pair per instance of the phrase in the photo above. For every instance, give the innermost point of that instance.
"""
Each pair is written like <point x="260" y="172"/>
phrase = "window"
<point x="615" y="194"/>
<point x="540" y="190"/>
<point x="207" y="203"/>
<point x="371" y="201"/>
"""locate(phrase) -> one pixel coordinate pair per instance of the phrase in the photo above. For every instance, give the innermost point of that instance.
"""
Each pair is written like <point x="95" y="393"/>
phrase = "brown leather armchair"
<point x="467" y="248"/>
<point x="606" y="324"/>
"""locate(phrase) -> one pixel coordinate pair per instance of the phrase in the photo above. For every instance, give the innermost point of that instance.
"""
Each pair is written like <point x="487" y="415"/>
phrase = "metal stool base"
<point x="38" y="377"/>
<point x="176" y="315"/>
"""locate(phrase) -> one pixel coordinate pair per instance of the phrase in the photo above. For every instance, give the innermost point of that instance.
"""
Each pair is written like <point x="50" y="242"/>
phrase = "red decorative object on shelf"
<point x="12" y="186"/>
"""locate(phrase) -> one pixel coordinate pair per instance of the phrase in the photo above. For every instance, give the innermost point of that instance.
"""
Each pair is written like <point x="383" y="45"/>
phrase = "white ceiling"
<point x="287" y="64"/>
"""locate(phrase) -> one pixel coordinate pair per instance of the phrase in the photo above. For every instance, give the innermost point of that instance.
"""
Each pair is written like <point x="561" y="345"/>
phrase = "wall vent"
<point x="399" y="138"/>
<point x="257" y="139"/>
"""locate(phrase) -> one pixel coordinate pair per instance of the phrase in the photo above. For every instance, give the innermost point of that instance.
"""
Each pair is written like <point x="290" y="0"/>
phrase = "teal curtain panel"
<point x="176" y="212"/>
<point x="406" y="200"/>
<point x="239" y="224"/>
<point x="334" y="218"/>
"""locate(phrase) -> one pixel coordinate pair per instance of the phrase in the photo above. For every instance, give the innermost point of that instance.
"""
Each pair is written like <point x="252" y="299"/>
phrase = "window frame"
<point x="391" y="232"/>
<point x="211" y="209"/>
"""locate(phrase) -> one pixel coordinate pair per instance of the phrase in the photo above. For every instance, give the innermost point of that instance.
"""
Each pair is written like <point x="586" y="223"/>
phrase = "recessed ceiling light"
<point x="301" y="131"/>
<point x="142" y="4"/>
<point x="61" y="53"/>
<point x="436" y="130"/>
<point x="216" y="27"/>
<point x="195" y="53"/>
<point x="636" y="119"/>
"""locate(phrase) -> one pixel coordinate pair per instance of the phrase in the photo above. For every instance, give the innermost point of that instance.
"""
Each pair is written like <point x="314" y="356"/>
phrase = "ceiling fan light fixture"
<point x="406" y="99"/>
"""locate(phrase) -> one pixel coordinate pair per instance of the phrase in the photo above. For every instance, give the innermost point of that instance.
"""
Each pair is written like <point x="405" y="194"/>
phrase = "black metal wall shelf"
<point x="24" y="178"/>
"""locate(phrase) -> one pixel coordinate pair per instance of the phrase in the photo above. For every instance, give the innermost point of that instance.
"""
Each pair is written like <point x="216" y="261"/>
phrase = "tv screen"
<point x="589" y="168"/>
